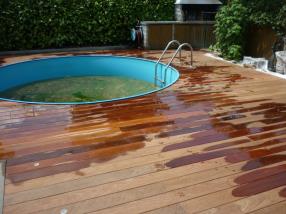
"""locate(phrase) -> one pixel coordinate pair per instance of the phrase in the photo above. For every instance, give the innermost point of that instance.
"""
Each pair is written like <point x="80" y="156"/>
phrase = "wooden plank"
<point x="218" y="178"/>
<point x="2" y="184"/>
<point x="251" y="204"/>
<point x="279" y="208"/>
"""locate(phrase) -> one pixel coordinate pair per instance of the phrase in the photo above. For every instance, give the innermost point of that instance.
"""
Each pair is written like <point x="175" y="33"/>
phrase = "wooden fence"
<point x="259" y="41"/>
<point x="198" y="33"/>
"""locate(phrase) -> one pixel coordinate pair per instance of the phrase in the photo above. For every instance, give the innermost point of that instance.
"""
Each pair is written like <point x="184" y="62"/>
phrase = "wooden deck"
<point x="215" y="142"/>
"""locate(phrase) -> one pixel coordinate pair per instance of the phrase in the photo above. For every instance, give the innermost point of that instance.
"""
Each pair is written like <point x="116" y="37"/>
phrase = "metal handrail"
<point x="175" y="54"/>
<point x="162" y="55"/>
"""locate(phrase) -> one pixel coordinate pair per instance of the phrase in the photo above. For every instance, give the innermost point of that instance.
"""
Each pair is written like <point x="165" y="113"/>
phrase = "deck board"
<point x="213" y="143"/>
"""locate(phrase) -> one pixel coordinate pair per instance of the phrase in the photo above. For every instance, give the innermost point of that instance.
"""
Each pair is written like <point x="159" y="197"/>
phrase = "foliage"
<point x="33" y="24"/>
<point x="234" y="17"/>
<point x="230" y="29"/>
<point x="271" y="13"/>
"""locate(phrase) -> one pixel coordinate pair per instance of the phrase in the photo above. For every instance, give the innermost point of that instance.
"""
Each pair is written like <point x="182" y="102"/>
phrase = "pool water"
<point x="78" y="89"/>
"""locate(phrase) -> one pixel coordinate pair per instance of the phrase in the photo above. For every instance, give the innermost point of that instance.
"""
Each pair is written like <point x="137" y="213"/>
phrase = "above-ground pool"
<point x="82" y="79"/>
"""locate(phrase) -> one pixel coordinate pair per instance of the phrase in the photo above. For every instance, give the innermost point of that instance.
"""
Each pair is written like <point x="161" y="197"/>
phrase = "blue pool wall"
<point x="24" y="73"/>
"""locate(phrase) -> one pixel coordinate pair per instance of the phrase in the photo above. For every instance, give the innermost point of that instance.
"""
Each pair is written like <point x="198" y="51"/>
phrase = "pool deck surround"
<point x="213" y="143"/>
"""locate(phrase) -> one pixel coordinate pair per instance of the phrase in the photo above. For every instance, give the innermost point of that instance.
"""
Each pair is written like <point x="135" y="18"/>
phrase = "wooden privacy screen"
<point x="259" y="41"/>
<point x="200" y="34"/>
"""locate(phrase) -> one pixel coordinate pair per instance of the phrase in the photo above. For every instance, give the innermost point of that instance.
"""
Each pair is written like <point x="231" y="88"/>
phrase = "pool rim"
<point x="90" y="102"/>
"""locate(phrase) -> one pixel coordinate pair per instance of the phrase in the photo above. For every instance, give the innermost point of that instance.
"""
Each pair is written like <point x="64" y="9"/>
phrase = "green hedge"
<point x="35" y="24"/>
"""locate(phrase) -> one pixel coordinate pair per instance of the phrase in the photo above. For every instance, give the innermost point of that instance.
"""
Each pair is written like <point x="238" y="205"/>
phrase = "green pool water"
<point x="78" y="89"/>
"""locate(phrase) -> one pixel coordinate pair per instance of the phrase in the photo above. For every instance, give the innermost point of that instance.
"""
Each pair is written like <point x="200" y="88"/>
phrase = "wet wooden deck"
<point x="215" y="142"/>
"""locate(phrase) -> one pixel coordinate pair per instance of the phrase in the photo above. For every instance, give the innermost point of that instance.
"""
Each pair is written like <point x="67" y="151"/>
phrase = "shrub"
<point x="233" y="18"/>
<point x="267" y="13"/>
<point x="230" y="30"/>
<point x="33" y="24"/>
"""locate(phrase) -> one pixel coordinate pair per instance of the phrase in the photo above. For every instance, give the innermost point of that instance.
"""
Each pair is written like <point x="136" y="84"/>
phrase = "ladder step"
<point x="156" y="78"/>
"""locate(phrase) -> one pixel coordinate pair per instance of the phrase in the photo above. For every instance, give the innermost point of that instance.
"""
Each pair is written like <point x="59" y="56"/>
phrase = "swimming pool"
<point x="91" y="66"/>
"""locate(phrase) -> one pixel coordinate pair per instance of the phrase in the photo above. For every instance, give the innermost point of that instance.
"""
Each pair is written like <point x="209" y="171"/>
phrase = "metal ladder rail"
<point x="175" y="54"/>
<point x="161" y="57"/>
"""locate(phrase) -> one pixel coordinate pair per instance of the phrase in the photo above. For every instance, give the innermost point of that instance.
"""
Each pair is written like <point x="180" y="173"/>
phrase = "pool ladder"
<point x="179" y="50"/>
